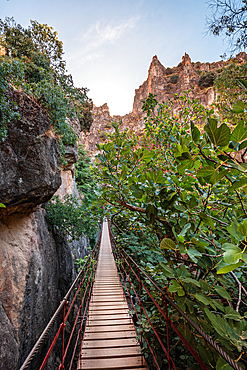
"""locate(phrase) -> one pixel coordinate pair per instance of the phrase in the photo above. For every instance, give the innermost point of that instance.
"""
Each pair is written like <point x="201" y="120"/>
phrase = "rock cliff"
<point x="36" y="265"/>
<point x="164" y="83"/>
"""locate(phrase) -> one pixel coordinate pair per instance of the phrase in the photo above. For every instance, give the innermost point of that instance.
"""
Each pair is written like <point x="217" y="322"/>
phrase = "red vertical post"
<point x="140" y="301"/>
<point x="168" y="335"/>
<point x="61" y="367"/>
<point x="80" y="330"/>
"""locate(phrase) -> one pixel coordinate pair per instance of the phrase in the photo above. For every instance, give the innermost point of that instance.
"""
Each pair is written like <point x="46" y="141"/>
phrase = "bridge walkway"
<point x="110" y="336"/>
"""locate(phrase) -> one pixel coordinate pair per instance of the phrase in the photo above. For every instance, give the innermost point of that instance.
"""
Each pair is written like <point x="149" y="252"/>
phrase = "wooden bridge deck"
<point x="110" y="336"/>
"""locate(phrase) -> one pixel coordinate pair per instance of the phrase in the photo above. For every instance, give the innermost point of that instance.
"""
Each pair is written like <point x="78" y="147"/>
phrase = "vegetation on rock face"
<point x="173" y="79"/>
<point x="177" y="197"/>
<point x="230" y="92"/>
<point x="84" y="176"/>
<point x="77" y="217"/>
<point x="33" y="63"/>
<point x="207" y="79"/>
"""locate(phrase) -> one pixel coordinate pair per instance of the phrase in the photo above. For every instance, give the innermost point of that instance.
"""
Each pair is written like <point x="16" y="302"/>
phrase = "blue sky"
<point x="109" y="44"/>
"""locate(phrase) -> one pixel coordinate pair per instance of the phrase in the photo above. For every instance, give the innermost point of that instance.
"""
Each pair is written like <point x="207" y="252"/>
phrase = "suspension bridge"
<point x="110" y="335"/>
<point x="102" y="334"/>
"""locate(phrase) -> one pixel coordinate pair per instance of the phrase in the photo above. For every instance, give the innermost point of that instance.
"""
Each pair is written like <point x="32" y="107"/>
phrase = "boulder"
<point x="29" y="158"/>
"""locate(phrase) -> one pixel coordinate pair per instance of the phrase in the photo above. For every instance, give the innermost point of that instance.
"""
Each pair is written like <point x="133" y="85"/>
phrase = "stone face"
<point x="29" y="158"/>
<point x="35" y="272"/>
<point x="163" y="83"/>
<point x="36" y="263"/>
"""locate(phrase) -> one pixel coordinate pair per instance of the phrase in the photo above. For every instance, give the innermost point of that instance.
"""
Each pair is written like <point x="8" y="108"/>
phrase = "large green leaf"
<point x="207" y="219"/>
<point x="167" y="243"/>
<point x="243" y="145"/>
<point x="238" y="184"/>
<point x="218" y="136"/>
<point x="232" y="253"/>
<point x="242" y="228"/>
<point x="232" y="229"/>
<point x="222" y="364"/>
<point x="191" y="281"/>
<point x="222" y="292"/>
<point x="167" y="270"/>
<point x="229" y="268"/>
<point x="217" y="176"/>
<point x="193" y="254"/>
<point x="223" y="135"/>
<point x="218" y="323"/>
<point x="185" y="229"/>
<point x="239" y="133"/>
<point x="238" y="107"/>
<point x="242" y="83"/>
<point x="195" y="132"/>
<point x="176" y="287"/>
<point x="206" y="171"/>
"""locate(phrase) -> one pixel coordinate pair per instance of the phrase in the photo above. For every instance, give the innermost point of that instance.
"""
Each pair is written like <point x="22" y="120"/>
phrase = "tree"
<point x="184" y="183"/>
<point x="229" y="18"/>
<point x="34" y="64"/>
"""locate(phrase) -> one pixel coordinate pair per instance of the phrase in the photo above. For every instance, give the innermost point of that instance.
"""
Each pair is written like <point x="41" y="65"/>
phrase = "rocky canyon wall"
<point x="164" y="83"/>
<point x="36" y="264"/>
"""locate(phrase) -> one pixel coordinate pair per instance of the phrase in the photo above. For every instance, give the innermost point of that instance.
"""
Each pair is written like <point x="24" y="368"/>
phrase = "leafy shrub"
<point x="72" y="218"/>
<point x="84" y="175"/>
<point x="173" y="79"/>
<point x="207" y="79"/>
<point x="33" y="61"/>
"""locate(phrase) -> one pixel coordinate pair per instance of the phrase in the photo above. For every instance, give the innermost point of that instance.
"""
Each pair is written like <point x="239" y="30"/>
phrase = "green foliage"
<point x="230" y="91"/>
<point x="173" y="79"/>
<point x="182" y="187"/>
<point x="72" y="217"/>
<point x="33" y="63"/>
<point x="76" y="217"/>
<point x="84" y="175"/>
<point x="11" y="71"/>
<point x="207" y="79"/>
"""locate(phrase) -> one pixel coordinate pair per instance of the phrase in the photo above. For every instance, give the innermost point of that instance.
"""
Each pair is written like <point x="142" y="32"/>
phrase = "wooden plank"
<point x="104" y="305"/>
<point x="111" y="363"/>
<point x="109" y="298"/>
<point x="108" y="329"/>
<point x="109" y="317"/>
<point x="122" y="321"/>
<point x="108" y="312"/>
<point x="110" y="343"/>
<point x="110" y="335"/>
<point x="110" y="352"/>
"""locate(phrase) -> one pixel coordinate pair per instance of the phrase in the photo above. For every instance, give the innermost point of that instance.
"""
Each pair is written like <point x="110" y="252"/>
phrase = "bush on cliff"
<point x="33" y="62"/>
<point x="207" y="79"/>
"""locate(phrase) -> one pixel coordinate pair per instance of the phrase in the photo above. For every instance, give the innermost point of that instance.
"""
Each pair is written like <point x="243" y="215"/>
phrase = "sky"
<point x="109" y="44"/>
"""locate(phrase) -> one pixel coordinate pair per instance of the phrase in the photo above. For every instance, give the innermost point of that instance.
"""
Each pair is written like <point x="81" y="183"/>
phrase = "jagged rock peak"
<point x="186" y="60"/>
<point x="156" y="69"/>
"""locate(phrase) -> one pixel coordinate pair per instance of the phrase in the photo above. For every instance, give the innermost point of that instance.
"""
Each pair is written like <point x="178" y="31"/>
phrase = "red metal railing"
<point x="138" y="286"/>
<point x="135" y="280"/>
<point x="82" y="288"/>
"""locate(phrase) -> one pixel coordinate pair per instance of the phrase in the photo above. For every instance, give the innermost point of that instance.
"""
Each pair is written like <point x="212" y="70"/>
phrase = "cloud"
<point x="94" y="42"/>
<point x="104" y="33"/>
